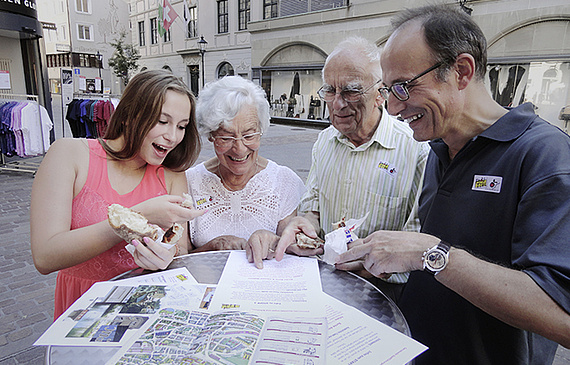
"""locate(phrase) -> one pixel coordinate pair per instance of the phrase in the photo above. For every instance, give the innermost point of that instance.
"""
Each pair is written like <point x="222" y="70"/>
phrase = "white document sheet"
<point x="356" y="338"/>
<point x="290" y="286"/>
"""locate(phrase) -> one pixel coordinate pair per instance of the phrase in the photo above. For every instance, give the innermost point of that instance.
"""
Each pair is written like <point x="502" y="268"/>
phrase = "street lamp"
<point x="202" y="44"/>
<point x="99" y="64"/>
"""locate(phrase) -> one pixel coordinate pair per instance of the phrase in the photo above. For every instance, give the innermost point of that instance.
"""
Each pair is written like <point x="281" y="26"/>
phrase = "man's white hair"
<point x="362" y="46"/>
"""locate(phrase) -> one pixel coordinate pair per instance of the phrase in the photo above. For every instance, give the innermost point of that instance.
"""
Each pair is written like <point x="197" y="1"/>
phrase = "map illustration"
<point x="187" y="337"/>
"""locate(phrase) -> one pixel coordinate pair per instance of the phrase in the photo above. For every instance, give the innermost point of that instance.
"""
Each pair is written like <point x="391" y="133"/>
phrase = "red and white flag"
<point x="166" y="15"/>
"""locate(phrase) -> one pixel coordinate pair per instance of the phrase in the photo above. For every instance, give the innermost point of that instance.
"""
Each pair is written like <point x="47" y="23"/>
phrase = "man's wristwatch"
<point x="436" y="258"/>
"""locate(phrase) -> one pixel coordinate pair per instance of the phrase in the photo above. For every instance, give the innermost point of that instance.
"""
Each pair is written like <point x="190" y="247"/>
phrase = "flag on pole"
<point x="186" y="14"/>
<point x="166" y="16"/>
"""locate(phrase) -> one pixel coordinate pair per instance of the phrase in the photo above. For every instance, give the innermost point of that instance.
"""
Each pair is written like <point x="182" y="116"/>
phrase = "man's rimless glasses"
<point x="400" y="89"/>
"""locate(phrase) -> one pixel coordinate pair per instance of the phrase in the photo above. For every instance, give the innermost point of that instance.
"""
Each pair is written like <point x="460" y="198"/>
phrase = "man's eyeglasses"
<point x="228" y="141"/>
<point x="349" y="94"/>
<point x="400" y="89"/>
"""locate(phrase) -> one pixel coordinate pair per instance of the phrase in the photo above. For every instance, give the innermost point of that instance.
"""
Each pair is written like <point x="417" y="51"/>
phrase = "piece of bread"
<point x="187" y="203"/>
<point x="173" y="234"/>
<point x="130" y="225"/>
<point x="305" y="241"/>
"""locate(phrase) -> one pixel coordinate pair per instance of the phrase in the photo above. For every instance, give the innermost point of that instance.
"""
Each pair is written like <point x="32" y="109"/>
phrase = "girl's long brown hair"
<point x="139" y="111"/>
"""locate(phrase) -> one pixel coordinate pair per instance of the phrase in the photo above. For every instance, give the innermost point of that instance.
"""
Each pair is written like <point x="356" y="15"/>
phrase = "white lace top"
<point x="269" y="196"/>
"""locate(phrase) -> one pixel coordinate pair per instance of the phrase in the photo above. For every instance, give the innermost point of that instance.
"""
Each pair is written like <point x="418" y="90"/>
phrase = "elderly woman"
<point x="248" y="199"/>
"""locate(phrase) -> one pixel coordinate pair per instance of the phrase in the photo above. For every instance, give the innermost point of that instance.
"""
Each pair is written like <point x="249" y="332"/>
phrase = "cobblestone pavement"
<point x="26" y="303"/>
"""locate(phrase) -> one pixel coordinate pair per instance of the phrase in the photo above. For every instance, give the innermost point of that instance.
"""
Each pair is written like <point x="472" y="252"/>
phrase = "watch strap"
<point x="441" y="246"/>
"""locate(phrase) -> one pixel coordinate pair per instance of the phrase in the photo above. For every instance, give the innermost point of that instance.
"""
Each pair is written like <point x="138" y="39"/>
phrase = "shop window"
<point x="544" y="84"/>
<point x="223" y="16"/>
<point x="243" y="14"/>
<point x="84" y="32"/>
<point x="294" y="93"/>
<point x="225" y="69"/>
<point x="141" y="34"/>
<point x="153" y="31"/>
<point x="192" y="23"/>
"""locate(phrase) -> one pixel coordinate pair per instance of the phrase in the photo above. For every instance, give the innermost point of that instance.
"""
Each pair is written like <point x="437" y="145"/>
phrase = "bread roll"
<point x="130" y="225"/>
<point x="305" y="241"/>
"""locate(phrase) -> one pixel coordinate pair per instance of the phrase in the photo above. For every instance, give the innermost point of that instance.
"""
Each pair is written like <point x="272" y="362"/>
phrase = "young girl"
<point x="140" y="163"/>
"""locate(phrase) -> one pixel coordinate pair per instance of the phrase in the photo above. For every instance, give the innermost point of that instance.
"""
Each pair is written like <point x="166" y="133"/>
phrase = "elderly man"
<point x="491" y="268"/>
<point x="367" y="161"/>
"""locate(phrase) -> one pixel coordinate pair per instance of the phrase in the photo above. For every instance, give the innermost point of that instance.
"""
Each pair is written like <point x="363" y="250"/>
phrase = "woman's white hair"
<point x="220" y="101"/>
<point x="359" y="45"/>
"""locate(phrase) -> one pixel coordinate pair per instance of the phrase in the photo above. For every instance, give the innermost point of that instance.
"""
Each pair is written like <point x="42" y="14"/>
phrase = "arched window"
<point x="225" y="69"/>
<point x="166" y="67"/>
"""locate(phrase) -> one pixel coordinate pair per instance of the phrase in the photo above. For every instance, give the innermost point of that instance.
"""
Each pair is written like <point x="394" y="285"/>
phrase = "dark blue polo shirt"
<point x="505" y="197"/>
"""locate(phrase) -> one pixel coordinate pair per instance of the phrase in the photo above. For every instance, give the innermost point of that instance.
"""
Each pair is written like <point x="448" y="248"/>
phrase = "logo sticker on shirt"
<point x="491" y="184"/>
<point x="202" y="203"/>
<point x="388" y="168"/>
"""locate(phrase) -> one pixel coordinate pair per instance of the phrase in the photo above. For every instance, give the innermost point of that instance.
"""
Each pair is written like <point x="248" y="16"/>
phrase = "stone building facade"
<point x="282" y="45"/>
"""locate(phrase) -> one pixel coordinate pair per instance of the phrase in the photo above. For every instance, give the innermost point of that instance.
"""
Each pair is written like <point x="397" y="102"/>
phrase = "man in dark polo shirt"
<point x="491" y="269"/>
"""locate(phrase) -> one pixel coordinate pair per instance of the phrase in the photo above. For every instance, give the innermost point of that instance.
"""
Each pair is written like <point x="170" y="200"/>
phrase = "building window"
<point x="141" y="34"/>
<point x="153" y="31"/>
<point x="192" y="23"/>
<point x="270" y="9"/>
<point x="225" y="69"/>
<point x="84" y="32"/>
<point x="222" y="16"/>
<point x="62" y="32"/>
<point x="83" y="6"/>
<point x="83" y="60"/>
<point x="166" y="36"/>
<point x="243" y="14"/>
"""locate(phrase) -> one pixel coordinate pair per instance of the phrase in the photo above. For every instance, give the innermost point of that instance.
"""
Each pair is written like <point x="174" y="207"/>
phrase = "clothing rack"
<point x="95" y="96"/>
<point x="88" y="115"/>
<point x="22" y="165"/>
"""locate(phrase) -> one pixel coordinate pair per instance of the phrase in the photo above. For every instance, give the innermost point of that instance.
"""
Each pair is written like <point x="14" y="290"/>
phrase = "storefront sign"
<point x="23" y="7"/>
<point x="98" y="85"/>
<point x="66" y="86"/>
<point x="5" y="80"/>
<point x="82" y="83"/>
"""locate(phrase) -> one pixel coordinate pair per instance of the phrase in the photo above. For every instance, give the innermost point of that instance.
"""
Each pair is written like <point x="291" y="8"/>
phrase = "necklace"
<point x="227" y="186"/>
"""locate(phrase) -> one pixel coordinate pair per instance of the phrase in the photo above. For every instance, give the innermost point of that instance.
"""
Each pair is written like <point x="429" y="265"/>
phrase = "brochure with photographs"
<point x="109" y="314"/>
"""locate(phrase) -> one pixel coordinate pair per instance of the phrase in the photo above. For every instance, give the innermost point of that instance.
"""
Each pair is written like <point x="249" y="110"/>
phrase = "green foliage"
<point x="125" y="57"/>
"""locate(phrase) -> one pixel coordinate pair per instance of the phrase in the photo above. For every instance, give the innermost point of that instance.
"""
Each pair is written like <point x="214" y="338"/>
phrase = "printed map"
<point x="192" y="337"/>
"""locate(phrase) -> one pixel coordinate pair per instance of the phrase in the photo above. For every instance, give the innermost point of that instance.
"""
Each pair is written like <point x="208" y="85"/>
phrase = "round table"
<point x="207" y="267"/>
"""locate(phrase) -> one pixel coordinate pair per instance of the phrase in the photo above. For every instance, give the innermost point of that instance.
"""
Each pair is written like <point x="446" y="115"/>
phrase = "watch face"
<point x="436" y="260"/>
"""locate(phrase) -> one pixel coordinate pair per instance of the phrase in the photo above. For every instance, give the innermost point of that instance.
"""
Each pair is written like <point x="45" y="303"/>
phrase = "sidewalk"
<point x="26" y="305"/>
